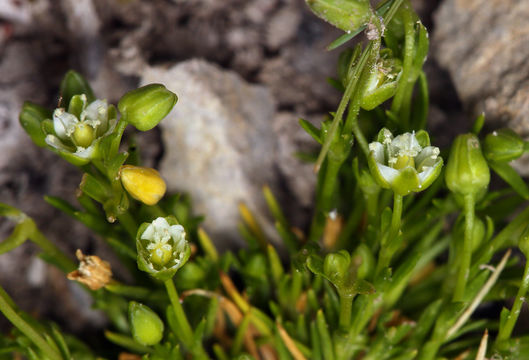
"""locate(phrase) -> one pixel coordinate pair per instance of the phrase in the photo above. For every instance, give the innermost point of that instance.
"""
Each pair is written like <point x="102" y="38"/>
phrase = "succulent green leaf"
<point x="503" y="145"/>
<point x="31" y="118"/>
<point x="348" y="15"/>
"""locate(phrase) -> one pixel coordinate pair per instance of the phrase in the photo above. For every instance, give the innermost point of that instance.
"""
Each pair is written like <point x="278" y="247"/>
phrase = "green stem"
<point x="466" y="255"/>
<point x="346" y="305"/>
<point x="506" y="331"/>
<point x="325" y="199"/>
<point x="398" y="106"/>
<point x="349" y="90"/>
<point x="129" y="223"/>
<point x="25" y="328"/>
<point x="390" y="246"/>
<point x="186" y="333"/>
<point x="52" y="251"/>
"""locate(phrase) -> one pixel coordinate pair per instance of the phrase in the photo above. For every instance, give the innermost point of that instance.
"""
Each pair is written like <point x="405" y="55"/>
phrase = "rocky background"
<point x="244" y="71"/>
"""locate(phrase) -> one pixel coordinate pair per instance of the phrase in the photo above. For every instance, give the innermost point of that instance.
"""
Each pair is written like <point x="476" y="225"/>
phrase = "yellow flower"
<point x="143" y="184"/>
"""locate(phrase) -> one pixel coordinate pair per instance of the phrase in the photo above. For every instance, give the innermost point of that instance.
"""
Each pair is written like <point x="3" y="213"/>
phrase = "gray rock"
<point x="484" y="45"/>
<point x="223" y="142"/>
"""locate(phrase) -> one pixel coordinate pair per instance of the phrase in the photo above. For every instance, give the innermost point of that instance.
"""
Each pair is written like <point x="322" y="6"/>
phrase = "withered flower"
<point x="93" y="272"/>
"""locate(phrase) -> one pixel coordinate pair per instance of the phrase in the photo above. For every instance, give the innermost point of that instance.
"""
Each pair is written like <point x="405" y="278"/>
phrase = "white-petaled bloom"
<point x="76" y="133"/>
<point x="162" y="247"/>
<point x="406" y="163"/>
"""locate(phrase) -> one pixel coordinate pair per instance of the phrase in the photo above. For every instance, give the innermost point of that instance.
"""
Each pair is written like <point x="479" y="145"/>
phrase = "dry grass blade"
<point x="291" y="346"/>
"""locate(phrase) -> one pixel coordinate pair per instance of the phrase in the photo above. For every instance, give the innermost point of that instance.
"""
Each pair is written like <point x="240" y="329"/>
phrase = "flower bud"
<point x="162" y="247"/>
<point x="146" y="326"/>
<point x="346" y="15"/>
<point x="336" y="266"/>
<point x="467" y="171"/>
<point x="364" y="261"/>
<point x="503" y="145"/>
<point x="143" y="184"/>
<point x="146" y="106"/>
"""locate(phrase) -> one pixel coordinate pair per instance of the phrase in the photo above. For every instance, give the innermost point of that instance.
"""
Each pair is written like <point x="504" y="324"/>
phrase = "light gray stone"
<point x="219" y="141"/>
<point x="484" y="45"/>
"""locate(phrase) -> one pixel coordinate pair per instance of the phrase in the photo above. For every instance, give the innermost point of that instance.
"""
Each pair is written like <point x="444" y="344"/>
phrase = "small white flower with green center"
<point x="406" y="163"/>
<point x="162" y="247"/>
<point x="77" y="132"/>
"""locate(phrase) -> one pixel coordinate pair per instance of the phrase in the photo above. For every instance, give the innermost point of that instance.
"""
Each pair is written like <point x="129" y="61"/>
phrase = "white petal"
<point x="405" y="145"/>
<point x="389" y="174"/>
<point x="160" y="224"/>
<point x="85" y="153"/>
<point x="427" y="157"/>
<point x="95" y="114"/>
<point x="56" y="143"/>
<point x="377" y="149"/>
<point x="64" y="123"/>
<point x="427" y="171"/>
<point x="177" y="232"/>
<point x="148" y="234"/>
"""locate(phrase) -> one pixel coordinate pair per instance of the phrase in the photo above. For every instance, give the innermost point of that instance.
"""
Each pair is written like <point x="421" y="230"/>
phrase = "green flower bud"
<point x="404" y="164"/>
<point x="146" y="326"/>
<point x="348" y="15"/>
<point x="467" y="171"/>
<point x="503" y="145"/>
<point x="364" y="260"/>
<point x="336" y="267"/>
<point x="146" y="106"/>
<point x="382" y="83"/>
<point x="162" y="247"/>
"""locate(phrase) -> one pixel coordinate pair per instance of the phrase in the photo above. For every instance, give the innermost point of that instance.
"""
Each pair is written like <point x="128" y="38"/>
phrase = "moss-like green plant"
<point x="391" y="266"/>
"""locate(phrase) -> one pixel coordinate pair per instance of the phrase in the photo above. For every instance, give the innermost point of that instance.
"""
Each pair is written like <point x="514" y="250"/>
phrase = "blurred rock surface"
<point x="484" y="45"/>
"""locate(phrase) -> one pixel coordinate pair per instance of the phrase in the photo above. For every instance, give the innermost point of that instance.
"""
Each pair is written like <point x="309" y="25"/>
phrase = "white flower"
<point x="162" y="247"/>
<point x="78" y="135"/>
<point x="405" y="163"/>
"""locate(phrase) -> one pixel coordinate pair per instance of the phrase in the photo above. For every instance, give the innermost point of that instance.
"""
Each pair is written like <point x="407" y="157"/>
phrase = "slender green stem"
<point x="186" y="334"/>
<point x="129" y="223"/>
<point x="349" y="90"/>
<point x="466" y="255"/>
<point x="390" y="246"/>
<point x="63" y="261"/>
<point x="506" y="331"/>
<point x="26" y="328"/>
<point x="325" y="199"/>
<point x="346" y="306"/>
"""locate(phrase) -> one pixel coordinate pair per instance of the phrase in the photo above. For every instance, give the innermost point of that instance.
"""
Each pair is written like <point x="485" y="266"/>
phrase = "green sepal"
<point x="77" y="105"/>
<point x="375" y="172"/>
<point x="378" y="96"/>
<point x="406" y="182"/>
<point x="433" y="176"/>
<point x="146" y="106"/>
<point x="348" y="15"/>
<point x="95" y="188"/>
<point x="31" y="118"/>
<point x="72" y="84"/>
<point x="423" y="138"/>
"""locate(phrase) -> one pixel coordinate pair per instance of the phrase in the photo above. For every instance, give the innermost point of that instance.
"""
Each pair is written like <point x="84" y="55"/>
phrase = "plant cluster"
<point x="406" y="241"/>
